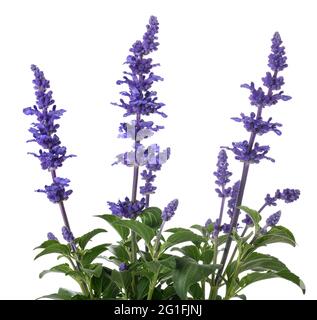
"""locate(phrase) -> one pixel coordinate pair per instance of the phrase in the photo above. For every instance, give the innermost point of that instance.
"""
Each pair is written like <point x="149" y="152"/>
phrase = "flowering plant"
<point x="216" y="260"/>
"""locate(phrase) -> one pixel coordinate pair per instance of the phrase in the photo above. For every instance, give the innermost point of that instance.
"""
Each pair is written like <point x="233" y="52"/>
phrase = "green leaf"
<point x="83" y="240"/>
<point x="55" y="247"/>
<point x="152" y="217"/>
<point x="122" y="279"/>
<point x="139" y="228"/>
<point x="175" y="230"/>
<point x="61" y="268"/>
<point x="181" y="236"/>
<point x="111" y="219"/>
<point x="95" y="270"/>
<point x="222" y="239"/>
<point x="275" y="235"/>
<point x="284" y="274"/>
<point x="207" y="255"/>
<point x="169" y="262"/>
<point x="188" y="272"/>
<point x="103" y="286"/>
<point x="142" y="288"/>
<point x="254" y="215"/>
<point x="168" y="293"/>
<point x="189" y="251"/>
<point x="46" y="244"/>
<point x="203" y="230"/>
<point x="261" y="262"/>
<point x="120" y="252"/>
<point x="62" y="294"/>
<point x="196" y="291"/>
<point x="91" y="254"/>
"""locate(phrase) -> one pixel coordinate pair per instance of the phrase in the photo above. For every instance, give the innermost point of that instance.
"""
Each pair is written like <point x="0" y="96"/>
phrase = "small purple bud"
<point x="247" y="220"/>
<point x="123" y="267"/>
<point x="273" y="219"/>
<point x="67" y="235"/>
<point x="226" y="228"/>
<point x="169" y="211"/>
<point x="208" y="223"/>
<point x="51" y="236"/>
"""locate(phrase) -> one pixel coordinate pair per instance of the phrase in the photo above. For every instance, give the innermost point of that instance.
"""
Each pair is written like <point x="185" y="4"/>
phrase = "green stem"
<point x="157" y="242"/>
<point x="203" y="288"/>
<point x="231" y="288"/>
<point x="133" y="259"/>
<point x="153" y="284"/>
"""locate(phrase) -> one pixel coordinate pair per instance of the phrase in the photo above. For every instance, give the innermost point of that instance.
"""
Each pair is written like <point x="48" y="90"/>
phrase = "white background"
<point x="208" y="48"/>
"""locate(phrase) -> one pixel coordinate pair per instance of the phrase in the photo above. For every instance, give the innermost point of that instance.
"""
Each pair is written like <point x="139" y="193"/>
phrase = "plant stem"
<point x="261" y="209"/>
<point x="153" y="284"/>
<point x="133" y="199"/>
<point x="236" y="211"/>
<point x="147" y="201"/>
<point x="157" y="241"/>
<point x="242" y="235"/>
<point x="243" y="181"/>
<point x="82" y="284"/>
<point x="203" y="288"/>
<point x="155" y="258"/>
<point x="61" y="206"/>
<point x="236" y="247"/>
<point x="214" y="289"/>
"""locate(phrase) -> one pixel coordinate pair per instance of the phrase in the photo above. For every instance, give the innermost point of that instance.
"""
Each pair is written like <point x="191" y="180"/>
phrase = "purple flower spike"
<point x="127" y="209"/>
<point x="169" y="211"/>
<point x="222" y="174"/>
<point x="277" y="59"/>
<point x="273" y="219"/>
<point x="142" y="100"/>
<point x="56" y="191"/>
<point x="277" y="62"/>
<point x="233" y="200"/>
<point x="67" y="235"/>
<point x="44" y="130"/>
<point x="287" y="195"/>
<point x="51" y="236"/>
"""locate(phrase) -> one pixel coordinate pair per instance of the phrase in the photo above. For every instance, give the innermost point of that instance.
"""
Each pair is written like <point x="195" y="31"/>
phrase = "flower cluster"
<point x="56" y="192"/>
<point x="148" y="177"/>
<point x="287" y="195"/>
<point x="169" y="211"/>
<point x="257" y="125"/>
<point x="243" y="153"/>
<point x="126" y="208"/>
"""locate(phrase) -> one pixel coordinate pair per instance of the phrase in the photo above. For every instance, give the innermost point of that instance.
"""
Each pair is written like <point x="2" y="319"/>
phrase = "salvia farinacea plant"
<point x="214" y="260"/>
